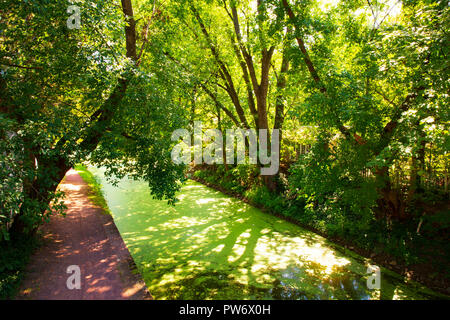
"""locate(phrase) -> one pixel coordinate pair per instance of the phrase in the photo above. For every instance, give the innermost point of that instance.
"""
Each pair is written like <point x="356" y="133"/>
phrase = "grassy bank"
<point x="95" y="188"/>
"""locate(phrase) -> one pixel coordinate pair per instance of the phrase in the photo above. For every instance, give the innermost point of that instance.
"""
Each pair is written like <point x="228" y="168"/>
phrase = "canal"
<point x="212" y="246"/>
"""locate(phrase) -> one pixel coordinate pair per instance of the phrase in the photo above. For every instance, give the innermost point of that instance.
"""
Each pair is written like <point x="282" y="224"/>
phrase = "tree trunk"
<point x="390" y="202"/>
<point x="417" y="164"/>
<point x="49" y="175"/>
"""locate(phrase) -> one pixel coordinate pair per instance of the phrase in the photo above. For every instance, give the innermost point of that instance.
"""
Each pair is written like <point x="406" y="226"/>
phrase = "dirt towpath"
<point x="87" y="238"/>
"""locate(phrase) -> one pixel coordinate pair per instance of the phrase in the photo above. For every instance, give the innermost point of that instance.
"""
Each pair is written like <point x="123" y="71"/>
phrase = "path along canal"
<point x="212" y="246"/>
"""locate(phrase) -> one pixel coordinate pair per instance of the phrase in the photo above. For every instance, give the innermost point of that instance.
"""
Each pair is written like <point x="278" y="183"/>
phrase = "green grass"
<point x="95" y="188"/>
<point x="14" y="257"/>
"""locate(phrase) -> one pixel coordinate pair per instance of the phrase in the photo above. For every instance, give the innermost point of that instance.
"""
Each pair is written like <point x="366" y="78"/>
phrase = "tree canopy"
<point x="365" y="83"/>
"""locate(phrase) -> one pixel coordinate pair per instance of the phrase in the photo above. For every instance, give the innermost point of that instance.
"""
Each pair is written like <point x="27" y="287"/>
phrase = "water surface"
<point x="212" y="246"/>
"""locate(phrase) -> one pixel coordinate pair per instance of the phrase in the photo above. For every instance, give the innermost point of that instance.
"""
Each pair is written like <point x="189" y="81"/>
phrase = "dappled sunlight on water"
<point x="211" y="246"/>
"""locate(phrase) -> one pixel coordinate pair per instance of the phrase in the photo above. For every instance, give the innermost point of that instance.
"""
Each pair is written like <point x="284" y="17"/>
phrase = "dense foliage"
<point x="73" y="95"/>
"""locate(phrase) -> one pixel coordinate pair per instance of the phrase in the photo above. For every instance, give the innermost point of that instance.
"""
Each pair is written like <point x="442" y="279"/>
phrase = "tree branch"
<point x="105" y="113"/>
<point x="225" y="74"/>
<point x="19" y="66"/>
<point x="344" y="130"/>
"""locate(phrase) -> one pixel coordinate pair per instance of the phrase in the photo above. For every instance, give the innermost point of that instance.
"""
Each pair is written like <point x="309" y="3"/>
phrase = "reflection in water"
<point x="211" y="246"/>
<point x="340" y="285"/>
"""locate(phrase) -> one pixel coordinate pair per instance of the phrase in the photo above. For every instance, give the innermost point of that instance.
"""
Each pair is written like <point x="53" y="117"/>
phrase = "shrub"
<point x="14" y="256"/>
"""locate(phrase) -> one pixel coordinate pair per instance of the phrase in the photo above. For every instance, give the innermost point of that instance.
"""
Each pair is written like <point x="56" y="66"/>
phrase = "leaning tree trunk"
<point x="50" y="172"/>
<point x="41" y="190"/>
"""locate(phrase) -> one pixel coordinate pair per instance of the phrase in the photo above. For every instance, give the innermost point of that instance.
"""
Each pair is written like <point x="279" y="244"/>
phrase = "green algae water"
<point x="212" y="246"/>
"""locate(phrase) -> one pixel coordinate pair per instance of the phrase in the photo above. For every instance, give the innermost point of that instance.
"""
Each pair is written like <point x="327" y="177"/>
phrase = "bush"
<point x="14" y="256"/>
<point x="339" y="201"/>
